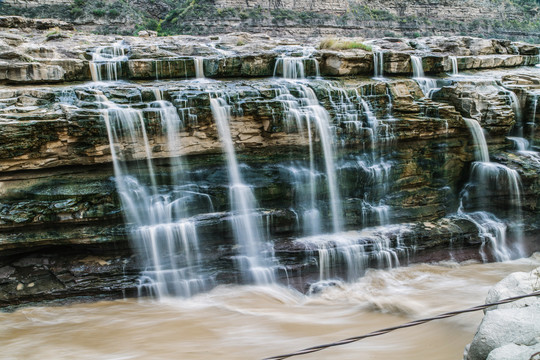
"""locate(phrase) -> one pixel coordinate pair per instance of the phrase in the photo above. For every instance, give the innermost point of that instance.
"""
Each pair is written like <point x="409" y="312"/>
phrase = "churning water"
<point x="250" y="322"/>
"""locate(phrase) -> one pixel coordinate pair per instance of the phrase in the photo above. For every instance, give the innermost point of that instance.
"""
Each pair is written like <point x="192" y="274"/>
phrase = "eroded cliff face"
<point x="62" y="230"/>
<point x="501" y="19"/>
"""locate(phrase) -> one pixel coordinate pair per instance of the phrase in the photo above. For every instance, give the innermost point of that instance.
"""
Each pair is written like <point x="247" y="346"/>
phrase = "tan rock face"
<point x="57" y="133"/>
<point x="38" y="57"/>
<point x="487" y="103"/>
<point x="333" y="6"/>
<point x="19" y="22"/>
<point x="335" y="63"/>
<point x="31" y="73"/>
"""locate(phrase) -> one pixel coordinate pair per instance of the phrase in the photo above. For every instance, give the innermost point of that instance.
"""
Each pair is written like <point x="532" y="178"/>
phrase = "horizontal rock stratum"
<point x="32" y="56"/>
<point x="61" y="222"/>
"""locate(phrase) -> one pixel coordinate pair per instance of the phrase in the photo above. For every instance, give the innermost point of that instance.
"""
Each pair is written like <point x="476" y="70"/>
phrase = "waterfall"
<point x="357" y="250"/>
<point x="158" y="94"/>
<point x="294" y="67"/>
<point x="199" y="67"/>
<point x="381" y="212"/>
<point x="488" y="176"/>
<point x="426" y="84"/>
<point x="521" y="144"/>
<point x="157" y="215"/>
<point x="107" y="62"/>
<point x="329" y="117"/>
<point x="378" y="64"/>
<point x="455" y="68"/>
<point x="306" y="182"/>
<point x="532" y="121"/>
<point x="372" y="122"/>
<point x="492" y="231"/>
<point x="305" y="112"/>
<point x="255" y="265"/>
<point x="482" y="152"/>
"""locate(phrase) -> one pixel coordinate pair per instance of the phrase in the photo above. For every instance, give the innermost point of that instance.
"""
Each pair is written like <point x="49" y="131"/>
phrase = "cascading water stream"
<point x="378" y="64"/>
<point x="307" y="113"/>
<point x="426" y="84"/>
<point x="106" y="64"/>
<point x="256" y="266"/>
<point x="294" y="67"/>
<point x="485" y="175"/>
<point x="357" y="250"/>
<point x="304" y="113"/>
<point x="199" y="67"/>
<point x="455" y="67"/>
<point x="157" y="215"/>
<point x="521" y="144"/>
<point x="516" y="108"/>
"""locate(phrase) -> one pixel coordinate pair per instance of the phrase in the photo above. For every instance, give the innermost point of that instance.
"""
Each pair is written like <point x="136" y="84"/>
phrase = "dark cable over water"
<point x="406" y="325"/>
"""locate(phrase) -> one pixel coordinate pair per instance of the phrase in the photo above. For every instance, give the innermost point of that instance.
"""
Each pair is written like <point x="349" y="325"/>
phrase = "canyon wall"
<point x="402" y="158"/>
<point x="332" y="6"/>
<point x="309" y="18"/>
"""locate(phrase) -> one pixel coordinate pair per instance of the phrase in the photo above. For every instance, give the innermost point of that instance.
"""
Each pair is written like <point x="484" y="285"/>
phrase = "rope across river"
<point x="406" y="325"/>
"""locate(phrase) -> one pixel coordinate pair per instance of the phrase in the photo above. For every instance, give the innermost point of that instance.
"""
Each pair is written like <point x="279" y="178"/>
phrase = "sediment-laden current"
<point x="250" y="322"/>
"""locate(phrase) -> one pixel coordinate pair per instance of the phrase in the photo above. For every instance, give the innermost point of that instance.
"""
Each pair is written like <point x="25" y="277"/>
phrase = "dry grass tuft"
<point x="343" y="44"/>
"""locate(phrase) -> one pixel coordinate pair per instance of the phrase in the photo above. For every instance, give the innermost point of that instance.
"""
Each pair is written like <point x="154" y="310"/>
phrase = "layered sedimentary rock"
<point x="56" y="56"/>
<point x="62" y="231"/>
<point x="334" y="6"/>
<point x="286" y="17"/>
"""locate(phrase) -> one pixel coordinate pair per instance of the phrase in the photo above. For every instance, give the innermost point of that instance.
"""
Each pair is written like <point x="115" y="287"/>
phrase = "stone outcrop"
<point x="299" y="17"/>
<point x="333" y="6"/>
<point x="487" y="103"/>
<point x="509" y="331"/>
<point x="19" y="22"/>
<point x="62" y="55"/>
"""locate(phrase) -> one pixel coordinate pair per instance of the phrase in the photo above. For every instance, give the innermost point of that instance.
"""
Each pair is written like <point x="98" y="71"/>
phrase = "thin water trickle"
<point x="455" y="67"/>
<point x="254" y="261"/>
<point x="199" y="67"/>
<point x="427" y="85"/>
<point x="486" y="177"/>
<point x="107" y="62"/>
<point x="378" y="64"/>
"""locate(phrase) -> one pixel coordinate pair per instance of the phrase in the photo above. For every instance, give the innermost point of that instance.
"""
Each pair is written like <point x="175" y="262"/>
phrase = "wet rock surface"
<point x="49" y="51"/>
<point x="62" y="229"/>
<point x="509" y="331"/>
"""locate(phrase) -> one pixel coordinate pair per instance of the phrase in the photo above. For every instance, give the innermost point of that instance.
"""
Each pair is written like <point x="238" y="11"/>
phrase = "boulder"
<point x="340" y="63"/>
<point x="516" y="284"/>
<point x="515" y="352"/>
<point x="501" y="327"/>
<point x="509" y="331"/>
<point x="397" y="63"/>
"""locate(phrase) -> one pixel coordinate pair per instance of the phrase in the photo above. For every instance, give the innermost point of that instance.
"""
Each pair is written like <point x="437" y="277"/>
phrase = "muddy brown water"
<point x="249" y="322"/>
